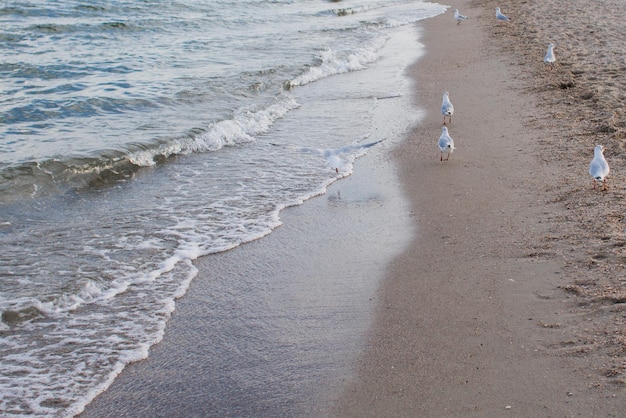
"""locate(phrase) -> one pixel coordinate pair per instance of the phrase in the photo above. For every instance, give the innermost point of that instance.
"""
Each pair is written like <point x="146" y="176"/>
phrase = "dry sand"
<point x="512" y="300"/>
<point x="581" y="103"/>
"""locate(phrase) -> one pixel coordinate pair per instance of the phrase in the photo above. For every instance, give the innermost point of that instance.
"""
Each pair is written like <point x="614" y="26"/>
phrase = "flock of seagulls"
<point x="598" y="168"/>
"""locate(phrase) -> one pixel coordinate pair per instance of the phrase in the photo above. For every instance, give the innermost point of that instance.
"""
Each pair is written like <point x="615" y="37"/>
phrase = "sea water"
<point x="138" y="136"/>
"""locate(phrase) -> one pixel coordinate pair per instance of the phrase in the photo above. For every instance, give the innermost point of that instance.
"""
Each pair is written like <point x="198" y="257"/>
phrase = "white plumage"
<point x="501" y="16"/>
<point x="549" y="58"/>
<point x="599" y="168"/>
<point x="446" y="107"/>
<point x="446" y="144"/>
<point x="337" y="158"/>
<point x="459" y="17"/>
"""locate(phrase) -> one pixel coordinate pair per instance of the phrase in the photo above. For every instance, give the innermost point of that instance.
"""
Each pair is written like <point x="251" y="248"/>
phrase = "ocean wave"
<point x="27" y="71"/>
<point x="19" y="312"/>
<point x="363" y="8"/>
<point x="352" y="9"/>
<point x="242" y="128"/>
<point x="367" y="30"/>
<point x="58" y="109"/>
<point x="333" y="63"/>
<point x="74" y="173"/>
<point x="55" y="176"/>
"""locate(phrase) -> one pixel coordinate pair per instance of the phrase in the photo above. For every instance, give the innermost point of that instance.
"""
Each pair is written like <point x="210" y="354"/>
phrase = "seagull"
<point x="446" y="107"/>
<point x="500" y="16"/>
<point x="445" y="144"/>
<point x="599" y="168"/>
<point x="335" y="157"/>
<point x="549" y="58"/>
<point x="459" y="17"/>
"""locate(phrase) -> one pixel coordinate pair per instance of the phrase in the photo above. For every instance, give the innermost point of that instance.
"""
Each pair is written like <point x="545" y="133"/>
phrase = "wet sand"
<point x="273" y="327"/>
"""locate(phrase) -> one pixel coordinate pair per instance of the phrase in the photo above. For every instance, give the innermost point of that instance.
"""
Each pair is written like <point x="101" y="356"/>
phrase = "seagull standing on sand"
<point x="445" y="144"/>
<point x="446" y="107"/>
<point x="549" y="58"/>
<point x="459" y="17"/>
<point x="500" y="16"/>
<point x="599" y="168"/>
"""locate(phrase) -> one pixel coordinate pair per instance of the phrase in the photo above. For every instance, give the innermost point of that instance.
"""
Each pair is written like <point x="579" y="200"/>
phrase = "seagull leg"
<point x="604" y="186"/>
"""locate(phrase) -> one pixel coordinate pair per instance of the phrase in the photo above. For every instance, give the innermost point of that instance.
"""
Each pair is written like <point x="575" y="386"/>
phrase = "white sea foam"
<point x="241" y="129"/>
<point x="332" y="64"/>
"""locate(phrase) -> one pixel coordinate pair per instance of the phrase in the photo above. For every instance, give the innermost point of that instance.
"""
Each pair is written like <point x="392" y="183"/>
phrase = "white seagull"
<point x="446" y="107"/>
<point x="500" y="16"/>
<point x="459" y="17"/>
<point x="445" y="144"/>
<point x="549" y="58"/>
<point x="336" y="157"/>
<point x="599" y="168"/>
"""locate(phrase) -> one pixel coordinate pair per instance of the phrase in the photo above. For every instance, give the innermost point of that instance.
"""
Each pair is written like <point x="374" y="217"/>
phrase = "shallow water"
<point x="133" y="142"/>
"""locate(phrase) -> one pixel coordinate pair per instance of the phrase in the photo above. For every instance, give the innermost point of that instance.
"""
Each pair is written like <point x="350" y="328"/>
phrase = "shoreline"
<point x="273" y="327"/>
<point x="477" y="317"/>
<point x="483" y="314"/>
<point x="279" y="341"/>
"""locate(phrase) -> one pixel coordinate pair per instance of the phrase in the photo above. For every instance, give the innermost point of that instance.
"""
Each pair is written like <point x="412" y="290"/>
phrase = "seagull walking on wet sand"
<point x="459" y="17"/>
<point x="501" y="16"/>
<point x="599" y="168"/>
<point x="549" y="58"/>
<point x="446" y="107"/>
<point x="446" y="144"/>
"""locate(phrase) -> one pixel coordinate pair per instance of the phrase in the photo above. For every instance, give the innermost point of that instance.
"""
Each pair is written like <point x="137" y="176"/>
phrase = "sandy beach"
<point x="509" y="293"/>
